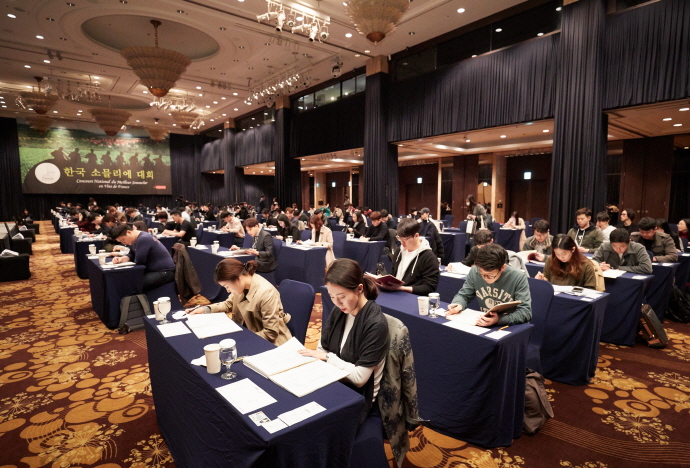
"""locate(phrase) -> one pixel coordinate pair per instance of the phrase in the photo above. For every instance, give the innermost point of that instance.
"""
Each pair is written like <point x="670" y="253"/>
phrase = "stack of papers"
<point x="246" y="396"/>
<point x="613" y="273"/>
<point x="299" y="375"/>
<point x="173" y="329"/>
<point x="116" y="265"/>
<point x="467" y="317"/>
<point x="206" y="325"/>
<point x="459" y="268"/>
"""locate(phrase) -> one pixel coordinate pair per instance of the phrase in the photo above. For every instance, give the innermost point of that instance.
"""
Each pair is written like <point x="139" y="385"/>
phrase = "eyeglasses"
<point x="489" y="277"/>
<point x="403" y="238"/>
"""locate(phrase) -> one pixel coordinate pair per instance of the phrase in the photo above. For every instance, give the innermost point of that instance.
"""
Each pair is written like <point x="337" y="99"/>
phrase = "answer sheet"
<point x="246" y="396"/>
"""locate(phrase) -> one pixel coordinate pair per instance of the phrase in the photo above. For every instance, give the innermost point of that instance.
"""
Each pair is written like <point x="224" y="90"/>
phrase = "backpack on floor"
<point x="651" y="328"/>
<point x="537" y="407"/>
<point x="133" y="309"/>
<point x="678" y="308"/>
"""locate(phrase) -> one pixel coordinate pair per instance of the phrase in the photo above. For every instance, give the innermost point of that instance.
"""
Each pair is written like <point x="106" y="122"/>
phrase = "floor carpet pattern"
<point x="75" y="394"/>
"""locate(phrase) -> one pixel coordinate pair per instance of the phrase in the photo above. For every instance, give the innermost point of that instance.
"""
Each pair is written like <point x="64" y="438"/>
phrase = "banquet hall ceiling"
<point x="222" y="37"/>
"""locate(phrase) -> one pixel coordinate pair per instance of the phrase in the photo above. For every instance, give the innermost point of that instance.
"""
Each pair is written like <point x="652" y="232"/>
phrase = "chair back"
<point x="651" y="255"/>
<point x="298" y="301"/>
<point x="277" y="245"/>
<point x="495" y="227"/>
<point x="462" y="226"/>
<point x="542" y="296"/>
<point x="684" y="240"/>
<point x="306" y="234"/>
<point x="450" y="219"/>
<point x="339" y="239"/>
<point x="326" y="306"/>
<point x="368" y="220"/>
<point x="392" y="240"/>
<point x="332" y="223"/>
<point x="534" y="220"/>
<point x="248" y="241"/>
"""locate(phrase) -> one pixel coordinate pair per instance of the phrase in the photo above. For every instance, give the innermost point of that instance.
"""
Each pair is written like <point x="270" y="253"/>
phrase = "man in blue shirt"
<point x="148" y="251"/>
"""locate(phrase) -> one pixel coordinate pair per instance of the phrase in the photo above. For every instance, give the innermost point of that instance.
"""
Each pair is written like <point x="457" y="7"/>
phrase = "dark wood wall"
<point x="530" y="198"/>
<point x="414" y="195"/>
<point x="336" y="195"/>
<point x="465" y="180"/>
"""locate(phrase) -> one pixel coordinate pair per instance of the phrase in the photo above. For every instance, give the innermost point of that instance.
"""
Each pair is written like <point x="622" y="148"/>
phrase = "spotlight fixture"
<point x="296" y="18"/>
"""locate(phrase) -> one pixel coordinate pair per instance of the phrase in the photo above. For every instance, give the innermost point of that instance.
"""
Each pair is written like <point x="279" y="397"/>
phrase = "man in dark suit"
<point x="262" y="246"/>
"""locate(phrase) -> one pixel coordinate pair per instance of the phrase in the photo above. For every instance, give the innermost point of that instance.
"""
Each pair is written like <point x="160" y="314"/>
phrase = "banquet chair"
<point x="271" y="275"/>
<point x="19" y="245"/>
<point x="450" y="219"/>
<point x="326" y="306"/>
<point x="306" y="234"/>
<point x="651" y="255"/>
<point x="542" y="296"/>
<point x="14" y="268"/>
<point x="166" y="290"/>
<point x="684" y="241"/>
<point x="298" y="301"/>
<point x="339" y="239"/>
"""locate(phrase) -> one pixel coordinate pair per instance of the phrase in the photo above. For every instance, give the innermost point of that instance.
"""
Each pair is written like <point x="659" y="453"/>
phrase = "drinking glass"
<point x="164" y="307"/>
<point x="92" y="249"/>
<point x="155" y="231"/>
<point x="192" y="241"/>
<point x="228" y="354"/>
<point x="434" y="301"/>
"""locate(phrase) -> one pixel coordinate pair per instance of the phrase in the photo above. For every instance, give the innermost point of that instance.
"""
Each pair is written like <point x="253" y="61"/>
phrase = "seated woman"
<point x="321" y="235"/>
<point x="358" y="226"/>
<point x="355" y="338"/>
<point x="253" y="301"/>
<point x="26" y="216"/>
<point x="567" y="266"/>
<point x="683" y="226"/>
<point x="287" y="229"/>
<point x="516" y="222"/>
<point x="85" y="222"/>
<point x="414" y="263"/>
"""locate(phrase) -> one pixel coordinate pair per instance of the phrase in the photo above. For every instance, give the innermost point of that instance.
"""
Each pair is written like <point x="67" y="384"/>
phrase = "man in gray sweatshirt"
<point x="620" y="254"/>
<point x="493" y="282"/>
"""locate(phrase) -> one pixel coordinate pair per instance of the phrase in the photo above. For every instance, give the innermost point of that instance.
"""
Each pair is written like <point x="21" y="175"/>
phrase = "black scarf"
<point x="366" y="344"/>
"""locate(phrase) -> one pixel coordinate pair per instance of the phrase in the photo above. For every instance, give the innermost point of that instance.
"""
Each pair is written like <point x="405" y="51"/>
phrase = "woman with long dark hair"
<point x="567" y="266"/>
<point x="355" y="338"/>
<point x="253" y="301"/>
<point x="286" y="228"/>
<point x="476" y="212"/>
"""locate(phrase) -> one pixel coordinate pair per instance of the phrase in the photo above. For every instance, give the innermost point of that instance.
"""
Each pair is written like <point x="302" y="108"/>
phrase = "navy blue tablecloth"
<point x="626" y="295"/>
<point x="659" y="292"/>
<point x="683" y="271"/>
<point x="225" y="239"/>
<point x="306" y="266"/>
<point x="109" y="286"/>
<point x="454" y="246"/>
<point x="66" y="234"/>
<point x="570" y="347"/>
<point x="470" y="387"/>
<point x="210" y="223"/>
<point x="509" y="239"/>
<point x="202" y="429"/>
<point x="81" y="252"/>
<point x="367" y="254"/>
<point x="168" y="242"/>
<point x="205" y="261"/>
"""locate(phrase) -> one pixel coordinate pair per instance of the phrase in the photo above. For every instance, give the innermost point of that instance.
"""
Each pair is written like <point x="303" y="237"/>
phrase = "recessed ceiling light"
<point x="545" y="131"/>
<point x="201" y="94"/>
<point x="411" y="33"/>
<point x="503" y="136"/>
<point x="55" y="112"/>
<point x="677" y="125"/>
<point x="299" y="18"/>
<point x="222" y="29"/>
<point x="234" y="94"/>
<point x="11" y="15"/>
<point x="225" y="115"/>
<point x="213" y="120"/>
<point x="540" y="34"/>
<point x="461" y="10"/>
<point x="558" y="9"/>
<point x="50" y="19"/>
<point x="208" y="107"/>
<point x="357" y="55"/>
<point x="473" y="56"/>
<point x="180" y="11"/>
<point x="174" y="125"/>
<point x="499" y="29"/>
<point x="685" y="109"/>
<point x="348" y="35"/>
<point x="667" y="119"/>
<point x="96" y="77"/>
<point x="198" y="87"/>
<point x="137" y="121"/>
<point x="223" y="98"/>
<point x="4" y="106"/>
<point x="367" y="51"/>
<point x="27" y="66"/>
<point x="215" y="102"/>
<point x="39" y="37"/>
<point x="235" y="109"/>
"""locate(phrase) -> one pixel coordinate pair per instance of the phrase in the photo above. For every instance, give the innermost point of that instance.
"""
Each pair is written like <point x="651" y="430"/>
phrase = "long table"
<point x="304" y="265"/>
<point x="570" y="347"/>
<point x="108" y="287"/>
<point x="683" y="271"/>
<point x="367" y="254"/>
<point x="205" y="261"/>
<point x="66" y="234"/>
<point x="202" y="429"/>
<point x="660" y="291"/>
<point x="225" y="239"/>
<point x="470" y="387"/>
<point x="81" y="253"/>
<point x="454" y="246"/>
<point x="509" y="239"/>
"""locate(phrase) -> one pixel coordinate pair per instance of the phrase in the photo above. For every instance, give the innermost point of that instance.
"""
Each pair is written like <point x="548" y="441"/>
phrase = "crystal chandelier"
<point x="186" y="119"/>
<point x="376" y="18"/>
<point x="158" y="69"/>
<point x="109" y="119"/>
<point x="40" y="123"/>
<point x="157" y="134"/>
<point x="76" y="91"/>
<point x="38" y="101"/>
<point x="296" y="18"/>
<point x="171" y="104"/>
<point x="266" y="94"/>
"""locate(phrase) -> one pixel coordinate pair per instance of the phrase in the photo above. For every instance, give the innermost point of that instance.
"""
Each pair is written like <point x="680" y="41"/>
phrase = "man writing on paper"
<point x="493" y="282"/>
<point x="620" y="254"/>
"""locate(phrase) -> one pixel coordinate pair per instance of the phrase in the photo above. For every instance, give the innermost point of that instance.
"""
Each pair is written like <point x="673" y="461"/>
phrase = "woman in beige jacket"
<point x="253" y="301"/>
<point x="321" y="235"/>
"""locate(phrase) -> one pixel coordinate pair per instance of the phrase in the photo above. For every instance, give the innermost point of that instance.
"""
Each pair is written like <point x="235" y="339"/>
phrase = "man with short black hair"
<point x="148" y="251"/>
<point x="262" y="246"/>
<point x="106" y="225"/>
<point x="378" y="231"/>
<point x="165" y="222"/>
<point x="657" y="242"/>
<point x="482" y="238"/>
<point x="603" y="225"/>
<point x="493" y="282"/>
<point x="585" y="234"/>
<point x="540" y="241"/>
<point x="620" y="254"/>
<point x="428" y="229"/>
<point x="232" y="224"/>
<point x="183" y="229"/>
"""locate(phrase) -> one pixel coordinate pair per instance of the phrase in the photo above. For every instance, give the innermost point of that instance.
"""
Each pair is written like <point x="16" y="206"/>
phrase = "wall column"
<point x="578" y="172"/>
<point x="380" y="158"/>
<point x="465" y="181"/>
<point x="233" y="177"/>
<point x="288" y="181"/>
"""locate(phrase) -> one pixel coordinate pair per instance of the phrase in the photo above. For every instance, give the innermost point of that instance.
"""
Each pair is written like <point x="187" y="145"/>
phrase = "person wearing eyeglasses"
<point x="493" y="282"/>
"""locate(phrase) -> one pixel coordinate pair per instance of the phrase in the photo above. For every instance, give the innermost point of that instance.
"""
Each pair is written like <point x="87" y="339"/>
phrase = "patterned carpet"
<point x="73" y="393"/>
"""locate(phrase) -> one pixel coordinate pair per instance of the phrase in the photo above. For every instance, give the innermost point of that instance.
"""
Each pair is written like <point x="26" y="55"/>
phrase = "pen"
<point x="504" y="327"/>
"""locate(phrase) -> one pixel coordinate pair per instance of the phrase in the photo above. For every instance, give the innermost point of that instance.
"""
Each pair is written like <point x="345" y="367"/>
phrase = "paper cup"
<point x="214" y="248"/>
<point x="423" y="304"/>
<point x="212" y="358"/>
<point x="101" y="260"/>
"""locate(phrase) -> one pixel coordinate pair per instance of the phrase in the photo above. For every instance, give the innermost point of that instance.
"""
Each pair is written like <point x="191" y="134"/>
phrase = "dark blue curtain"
<point x="648" y="54"/>
<point x="256" y="186"/>
<point x="11" y="199"/>
<point x="213" y="155"/>
<point x="578" y="171"/>
<point x="288" y="181"/>
<point x="380" y="157"/>
<point x="255" y="145"/>
<point x="334" y="127"/>
<point x="510" y="86"/>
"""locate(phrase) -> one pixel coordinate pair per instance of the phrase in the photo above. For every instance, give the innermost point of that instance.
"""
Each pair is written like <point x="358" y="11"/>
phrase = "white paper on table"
<point x="587" y="299"/>
<point x="173" y="329"/>
<point x="460" y="268"/>
<point x="467" y="316"/>
<point x="199" y="361"/>
<point x="441" y="312"/>
<point x="279" y="359"/>
<point x="301" y="413"/>
<point x="613" y="273"/>
<point x="152" y="316"/>
<point x="207" y="325"/>
<point x="498" y="334"/>
<point x="667" y="264"/>
<point x="246" y="396"/>
<point x="274" y="426"/>
<point x="640" y="277"/>
<point x="301" y="247"/>
<point x="117" y="265"/>
<point x="453" y="275"/>
<point x="302" y="380"/>
<point x="200" y="247"/>
<point x="180" y="315"/>
<point x="473" y="329"/>
<point x="558" y="288"/>
<point x="535" y="262"/>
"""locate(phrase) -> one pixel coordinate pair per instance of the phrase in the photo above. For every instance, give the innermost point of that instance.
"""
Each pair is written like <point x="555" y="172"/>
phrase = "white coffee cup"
<point x="214" y="248"/>
<point x="76" y="232"/>
<point x="288" y="240"/>
<point x="154" y="231"/>
<point x="192" y="241"/>
<point x="101" y="252"/>
<point x="212" y="358"/>
<point x="92" y="249"/>
<point x="101" y="259"/>
<point x="423" y="304"/>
